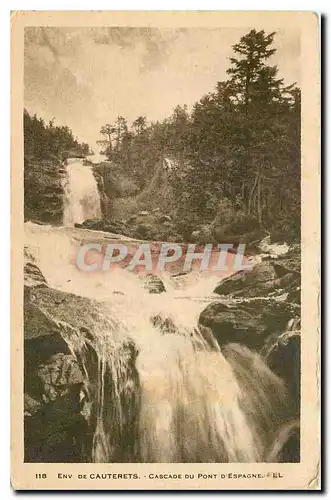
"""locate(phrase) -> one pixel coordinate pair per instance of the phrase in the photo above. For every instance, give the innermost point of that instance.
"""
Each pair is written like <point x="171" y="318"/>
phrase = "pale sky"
<point x="86" y="77"/>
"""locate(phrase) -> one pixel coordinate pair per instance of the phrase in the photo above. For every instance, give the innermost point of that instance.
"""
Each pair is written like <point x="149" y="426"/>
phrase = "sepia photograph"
<point x="162" y="239"/>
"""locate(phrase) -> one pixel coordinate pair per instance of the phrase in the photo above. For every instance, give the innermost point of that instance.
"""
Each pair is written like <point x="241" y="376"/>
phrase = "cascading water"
<point x="158" y="390"/>
<point x="81" y="195"/>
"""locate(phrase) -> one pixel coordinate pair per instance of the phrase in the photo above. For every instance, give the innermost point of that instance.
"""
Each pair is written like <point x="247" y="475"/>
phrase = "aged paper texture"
<point x="165" y="250"/>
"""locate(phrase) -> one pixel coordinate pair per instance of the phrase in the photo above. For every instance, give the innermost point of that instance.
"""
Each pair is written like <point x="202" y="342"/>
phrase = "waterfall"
<point x="81" y="195"/>
<point x="158" y="390"/>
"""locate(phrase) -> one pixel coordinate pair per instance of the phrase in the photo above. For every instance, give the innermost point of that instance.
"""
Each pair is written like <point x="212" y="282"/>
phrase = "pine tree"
<point x="251" y="79"/>
<point x="263" y="98"/>
<point x="108" y="130"/>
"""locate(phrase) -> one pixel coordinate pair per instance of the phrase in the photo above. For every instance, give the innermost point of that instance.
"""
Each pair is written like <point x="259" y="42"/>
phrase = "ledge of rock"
<point x="268" y="277"/>
<point x="245" y="323"/>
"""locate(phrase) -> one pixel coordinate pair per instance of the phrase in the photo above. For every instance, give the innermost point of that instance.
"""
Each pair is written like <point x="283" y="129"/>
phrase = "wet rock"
<point x="267" y="277"/>
<point x="95" y="224"/>
<point x="245" y="323"/>
<point x="55" y="425"/>
<point x="202" y="337"/>
<point x="55" y="422"/>
<point x="108" y="226"/>
<point x="242" y="281"/>
<point x="105" y="201"/>
<point x="48" y="310"/>
<point x="282" y="353"/>
<point x="58" y="375"/>
<point x="287" y="265"/>
<point x="104" y="171"/>
<point x="166" y="325"/>
<point x="153" y="283"/>
<point x="33" y="277"/>
<point x="62" y="353"/>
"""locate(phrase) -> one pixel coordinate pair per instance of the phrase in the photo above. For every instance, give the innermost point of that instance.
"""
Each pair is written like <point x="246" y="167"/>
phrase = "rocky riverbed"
<point x="259" y="310"/>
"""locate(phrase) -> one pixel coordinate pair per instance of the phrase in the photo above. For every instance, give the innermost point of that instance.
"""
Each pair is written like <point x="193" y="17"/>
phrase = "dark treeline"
<point x="42" y="140"/>
<point x="235" y="156"/>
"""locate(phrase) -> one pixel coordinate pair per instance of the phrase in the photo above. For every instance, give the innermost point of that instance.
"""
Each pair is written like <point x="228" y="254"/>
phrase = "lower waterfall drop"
<point x="158" y="395"/>
<point x="81" y="195"/>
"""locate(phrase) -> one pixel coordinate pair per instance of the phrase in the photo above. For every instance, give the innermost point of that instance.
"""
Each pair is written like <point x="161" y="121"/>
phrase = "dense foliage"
<point x="42" y="140"/>
<point x="235" y="156"/>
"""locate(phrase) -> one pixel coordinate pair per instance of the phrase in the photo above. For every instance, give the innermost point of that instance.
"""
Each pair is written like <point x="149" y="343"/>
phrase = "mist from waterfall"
<point x="158" y="390"/>
<point x="81" y="195"/>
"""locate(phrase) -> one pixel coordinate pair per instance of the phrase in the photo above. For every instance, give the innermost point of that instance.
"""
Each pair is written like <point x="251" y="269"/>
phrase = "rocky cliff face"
<point x="43" y="190"/>
<point x="54" y="384"/>
<point x="61" y="372"/>
<point x="106" y="193"/>
<point x="107" y="187"/>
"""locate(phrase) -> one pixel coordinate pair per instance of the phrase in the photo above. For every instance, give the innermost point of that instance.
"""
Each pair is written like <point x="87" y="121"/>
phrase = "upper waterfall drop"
<point x="81" y="194"/>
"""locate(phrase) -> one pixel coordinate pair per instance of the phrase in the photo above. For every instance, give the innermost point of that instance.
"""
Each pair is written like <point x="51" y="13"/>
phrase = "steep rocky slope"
<point x="43" y="190"/>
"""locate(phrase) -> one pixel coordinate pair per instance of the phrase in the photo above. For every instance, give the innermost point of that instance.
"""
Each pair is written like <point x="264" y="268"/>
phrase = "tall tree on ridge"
<point x="108" y="131"/>
<point x="139" y="124"/>
<point x="262" y="97"/>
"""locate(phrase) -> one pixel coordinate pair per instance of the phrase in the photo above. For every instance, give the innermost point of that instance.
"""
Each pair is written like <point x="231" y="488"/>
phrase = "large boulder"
<point x="53" y="380"/>
<point x="266" y="278"/>
<point x="63" y="351"/>
<point x="248" y="323"/>
<point x="257" y="302"/>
